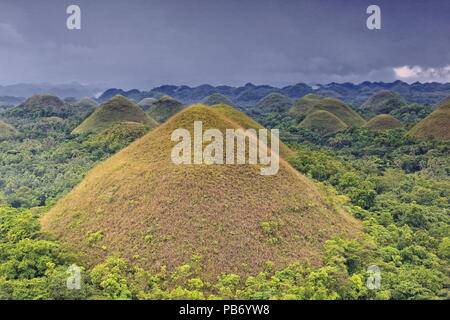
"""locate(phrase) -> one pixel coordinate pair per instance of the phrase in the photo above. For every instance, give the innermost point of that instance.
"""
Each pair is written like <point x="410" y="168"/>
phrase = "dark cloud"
<point x="144" y="43"/>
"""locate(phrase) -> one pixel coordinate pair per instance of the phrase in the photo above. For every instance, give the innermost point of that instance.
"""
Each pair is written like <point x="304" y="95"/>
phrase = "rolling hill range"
<point x="383" y="122"/>
<point x="7" y="131"/>
<point x="383" y="101"/>
<point x="323" y="122"/>
<point x="436" y="125"/>
<point x="249" y="94"/>
<point x="115" y="109"/>
<point x="142" y="205"/>
<point x="164" y="108"/>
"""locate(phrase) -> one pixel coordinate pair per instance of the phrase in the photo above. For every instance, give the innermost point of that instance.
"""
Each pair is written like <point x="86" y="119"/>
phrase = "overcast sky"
<point x="146" y="43"/>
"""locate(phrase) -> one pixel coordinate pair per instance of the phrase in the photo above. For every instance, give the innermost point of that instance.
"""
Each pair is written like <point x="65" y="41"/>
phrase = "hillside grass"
<point x="436" y="125"/>
<point x="383" y="122"/>
<point x="164" y="108"/>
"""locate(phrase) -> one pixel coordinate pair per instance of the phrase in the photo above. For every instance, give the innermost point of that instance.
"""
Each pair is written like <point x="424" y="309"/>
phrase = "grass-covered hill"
<point x="85" y="105"/>
<point x="304" y="104"/>
<point x="217" y="98"/>
<point x="40" y="106"/>
<point x="436" y="125"/>
<point x="323" y="122"/>
<point x="164" y="108"/>
<point x="7" y="131"/>
<point x="156" y="213"/>
<point x="311" y="103"/>
<point x="383" y="122"/>
<point x="273" y="102"/>
<point x="248" y="123"/>
<point x="384" y="101"/>
<point x="146" y="103"/>
<point x="115" y="109"/>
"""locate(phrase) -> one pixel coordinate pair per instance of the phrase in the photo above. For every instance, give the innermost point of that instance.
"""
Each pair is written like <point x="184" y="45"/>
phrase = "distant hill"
<point x="436" y="125"/>
<point x="217" y="98"/>
<point x="140" y="204"/>
<point x="115" y="109"/>
<point x="146" y="103"/>
<point x="383" y="122"/>
<point x="85" y="105"/>
<point x="7" y="131"/>
<point x="323" y="122"/>
<point x="72" y="89"/>
<point x="164" y="108"/>
<point x="40" y="106"/>
<point x="273" y="102"/>
<point x="384" y="101"/>
<point x="304" y="104"/>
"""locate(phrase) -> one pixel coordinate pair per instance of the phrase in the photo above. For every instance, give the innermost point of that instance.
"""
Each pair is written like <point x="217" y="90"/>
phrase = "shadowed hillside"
<point x="304" y="104"/>
<point x="41" y="106"/>
<point x="323" y="122"/>
<point x="436" y="125"/>
<point x="139" y="203"/>
<point x="146" y="103"/>
<point x="383" y="122"/>
<point x="164" y="108"/>
<point x="115" y="109"/>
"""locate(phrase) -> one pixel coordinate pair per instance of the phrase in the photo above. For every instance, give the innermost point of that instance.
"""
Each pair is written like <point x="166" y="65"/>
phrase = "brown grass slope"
<point x="384" y="101"/>
<point x="304" y="104"/>
<point x="7" y="131"/>
<point x="436" y="125"/>
<point x="116" y="109"/>
<point x="164" y="108"/>
<point x="383" y="122"/>
<point x="248" y="123"/>
<point x="157" y="213"/>
<point x="323" y="122"/>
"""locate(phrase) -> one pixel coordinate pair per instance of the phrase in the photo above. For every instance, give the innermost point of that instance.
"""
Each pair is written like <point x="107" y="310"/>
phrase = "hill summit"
<point x="436" y="125"/>
<point x="323" y="122"/>
<point x="274" y="102"/>
<point x="217" y="98"/>
<point x="383" y="122"/>
<point x="150" y="210"/>
<point x="41" y="106"/>
<point x="115" y="109"/>
<point x="164" y="108"/>
<point x="384" y="101"/>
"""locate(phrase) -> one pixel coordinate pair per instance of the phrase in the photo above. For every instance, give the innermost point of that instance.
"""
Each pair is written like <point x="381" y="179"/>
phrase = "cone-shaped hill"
<point x="248" y="123"/>
<point x="7" y="131"/>
<point x="142" y="205"/>
<point x="164" y="108"/>
<point x="41" y="106"/>
<point x="323" y="122"/>
<point x="114" y="110"/>
<point x="146" y="103"/>
<point x="304" y="104"/>
<point x="85" y="105"/>
<point x="274" y="102"/>
<point x="436" y="125"/>
<point x="383" y="122"/>
<point x="217" y="98"/>
<point x="384" y="101"/>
